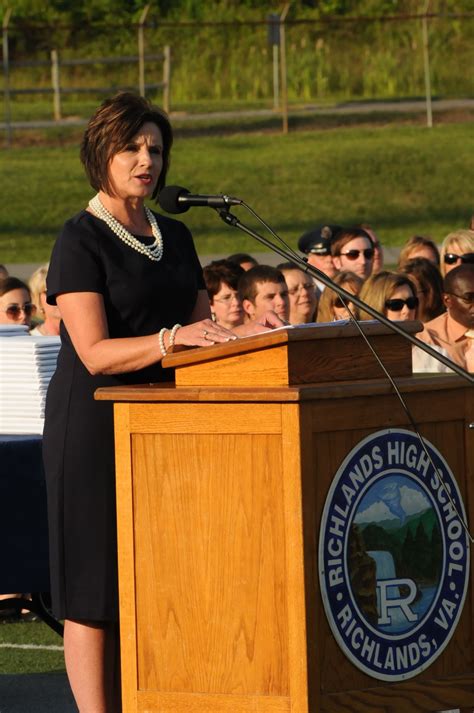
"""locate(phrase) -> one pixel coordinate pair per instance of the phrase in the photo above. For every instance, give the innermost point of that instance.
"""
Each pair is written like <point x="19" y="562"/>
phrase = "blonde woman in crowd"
<point x="49" y="316"/>
<point x="331" y="308"/>
<point x="391" y="293"/>
<point x="457" y="248"/>
<point x="419" y="246"/>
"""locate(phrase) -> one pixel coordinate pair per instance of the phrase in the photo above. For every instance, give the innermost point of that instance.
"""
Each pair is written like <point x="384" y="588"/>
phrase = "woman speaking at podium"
<point x="129" y="286"/>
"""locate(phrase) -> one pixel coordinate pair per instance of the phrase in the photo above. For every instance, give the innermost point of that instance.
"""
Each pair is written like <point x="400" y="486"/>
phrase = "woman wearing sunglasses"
<point x="15" y="302"/>
<point x="331" y="308"/>
<point x="392" y="294"/>
<point x="353" y="249"/>
<point x="457" y="249"/>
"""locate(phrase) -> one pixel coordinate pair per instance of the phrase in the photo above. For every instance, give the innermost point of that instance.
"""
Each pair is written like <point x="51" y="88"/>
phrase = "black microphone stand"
<point x="233" y="221"/>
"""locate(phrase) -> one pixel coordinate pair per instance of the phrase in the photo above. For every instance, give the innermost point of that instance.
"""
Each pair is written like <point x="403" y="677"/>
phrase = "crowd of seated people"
<point x="352" y="257"/>
<point x="240" y="289"/>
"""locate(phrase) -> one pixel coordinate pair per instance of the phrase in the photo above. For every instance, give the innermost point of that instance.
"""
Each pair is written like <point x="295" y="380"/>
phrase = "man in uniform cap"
<point x="316" y="244"/>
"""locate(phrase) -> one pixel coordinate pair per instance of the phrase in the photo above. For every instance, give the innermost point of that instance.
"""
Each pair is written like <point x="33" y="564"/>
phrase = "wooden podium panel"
<point x="205" y="590"/>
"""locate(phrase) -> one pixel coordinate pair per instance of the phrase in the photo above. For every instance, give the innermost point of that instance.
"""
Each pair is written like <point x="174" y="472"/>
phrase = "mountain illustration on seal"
<point x="395" y="534"/>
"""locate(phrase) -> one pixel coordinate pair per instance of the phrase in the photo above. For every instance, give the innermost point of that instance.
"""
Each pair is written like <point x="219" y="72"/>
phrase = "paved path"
<point x="24" y="270"/>
<point x="344" y="108"/>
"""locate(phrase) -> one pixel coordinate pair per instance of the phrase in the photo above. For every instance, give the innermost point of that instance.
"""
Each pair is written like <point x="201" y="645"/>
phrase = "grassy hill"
<point x="402" y="180"/>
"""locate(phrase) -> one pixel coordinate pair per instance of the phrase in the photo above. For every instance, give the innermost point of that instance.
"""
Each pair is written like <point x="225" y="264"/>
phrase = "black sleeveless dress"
<point x="140" y="297"/>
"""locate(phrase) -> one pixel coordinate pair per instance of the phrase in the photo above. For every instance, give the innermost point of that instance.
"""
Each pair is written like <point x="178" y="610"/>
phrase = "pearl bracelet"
<point x="173" y="334"/>
<point x="161" y="340"/>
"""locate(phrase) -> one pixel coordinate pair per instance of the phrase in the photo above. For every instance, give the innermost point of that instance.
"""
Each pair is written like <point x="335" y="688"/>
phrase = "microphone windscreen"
<point x="168" y="199"/>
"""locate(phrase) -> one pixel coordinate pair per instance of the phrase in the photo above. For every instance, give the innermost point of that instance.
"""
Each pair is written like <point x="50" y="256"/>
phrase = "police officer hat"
<point x="318" y="240"/>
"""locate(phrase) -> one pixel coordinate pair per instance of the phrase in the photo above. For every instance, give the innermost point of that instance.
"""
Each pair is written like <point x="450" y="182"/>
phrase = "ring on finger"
<point x="205" y="333"/>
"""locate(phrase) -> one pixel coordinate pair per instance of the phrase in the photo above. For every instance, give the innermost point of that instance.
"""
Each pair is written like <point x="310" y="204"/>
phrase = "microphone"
<point x="176" y="199"/>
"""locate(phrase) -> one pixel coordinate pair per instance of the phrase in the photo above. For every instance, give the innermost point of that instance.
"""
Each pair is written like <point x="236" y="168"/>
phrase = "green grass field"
<point x="401" y="179"/>
<point x="30" y="648"/>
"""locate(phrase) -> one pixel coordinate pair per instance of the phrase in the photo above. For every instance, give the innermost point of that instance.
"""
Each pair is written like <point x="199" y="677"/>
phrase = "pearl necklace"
<point x="153" y="252"/>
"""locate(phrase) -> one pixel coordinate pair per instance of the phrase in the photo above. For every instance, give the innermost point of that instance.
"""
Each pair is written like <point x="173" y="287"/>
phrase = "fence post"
<point x="274" y="41"/>
<point x="166" y="78"/>
<point x="56" y="85"/>
<point x="284" y="88"/>
<point x="141" y="51"/>
<point x="6" y="79"/>
<point x="426" y="66"/>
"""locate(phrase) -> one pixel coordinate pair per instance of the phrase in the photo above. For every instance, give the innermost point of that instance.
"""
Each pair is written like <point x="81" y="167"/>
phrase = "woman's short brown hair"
<point x="110" y="129"/>
<point x="221" y="272"/>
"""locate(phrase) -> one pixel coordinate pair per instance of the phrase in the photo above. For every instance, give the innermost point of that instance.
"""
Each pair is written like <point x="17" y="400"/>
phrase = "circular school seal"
<point x="393" y="555"/>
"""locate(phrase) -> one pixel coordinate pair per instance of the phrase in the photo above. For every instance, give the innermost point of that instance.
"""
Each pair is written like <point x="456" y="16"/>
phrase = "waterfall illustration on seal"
<point x="394" y="554"/>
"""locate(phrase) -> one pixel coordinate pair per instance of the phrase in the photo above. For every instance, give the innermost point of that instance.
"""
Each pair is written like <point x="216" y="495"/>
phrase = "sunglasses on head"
<point x="452" y="258"/>
<point x="14" y="311"/>
<point x="396" y="305"/>
<point x="354" y="254"/>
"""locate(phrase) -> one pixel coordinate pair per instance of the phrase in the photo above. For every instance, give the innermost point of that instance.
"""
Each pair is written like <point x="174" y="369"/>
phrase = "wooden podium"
<point x="221" y="482"/>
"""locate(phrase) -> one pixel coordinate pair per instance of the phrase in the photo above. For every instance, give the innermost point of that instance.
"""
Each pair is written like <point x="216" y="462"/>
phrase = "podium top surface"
<point x="169" y="392"/>
<point x="283" y="336"/>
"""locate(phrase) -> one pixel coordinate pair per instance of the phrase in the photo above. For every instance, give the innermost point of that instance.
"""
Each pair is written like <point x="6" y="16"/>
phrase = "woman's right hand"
<point x="202" y="334"/>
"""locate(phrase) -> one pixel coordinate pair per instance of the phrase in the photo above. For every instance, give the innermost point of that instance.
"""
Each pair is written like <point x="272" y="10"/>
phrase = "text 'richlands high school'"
<point x="392" y="615"/>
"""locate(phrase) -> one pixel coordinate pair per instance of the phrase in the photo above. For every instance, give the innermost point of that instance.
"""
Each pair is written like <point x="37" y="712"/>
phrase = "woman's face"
<point x="134" y="171"/>
<point x="302" y="296"/>
<point x="13" y="305"/>
<point x="340" y="312"/>
<point x="396" y="307"/>
<point x="453" y="256"/>
<point x="227" y="307"/>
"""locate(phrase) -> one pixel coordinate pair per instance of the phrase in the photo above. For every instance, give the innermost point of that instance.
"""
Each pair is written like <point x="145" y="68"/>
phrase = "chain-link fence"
<point x="231" y="65"/>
